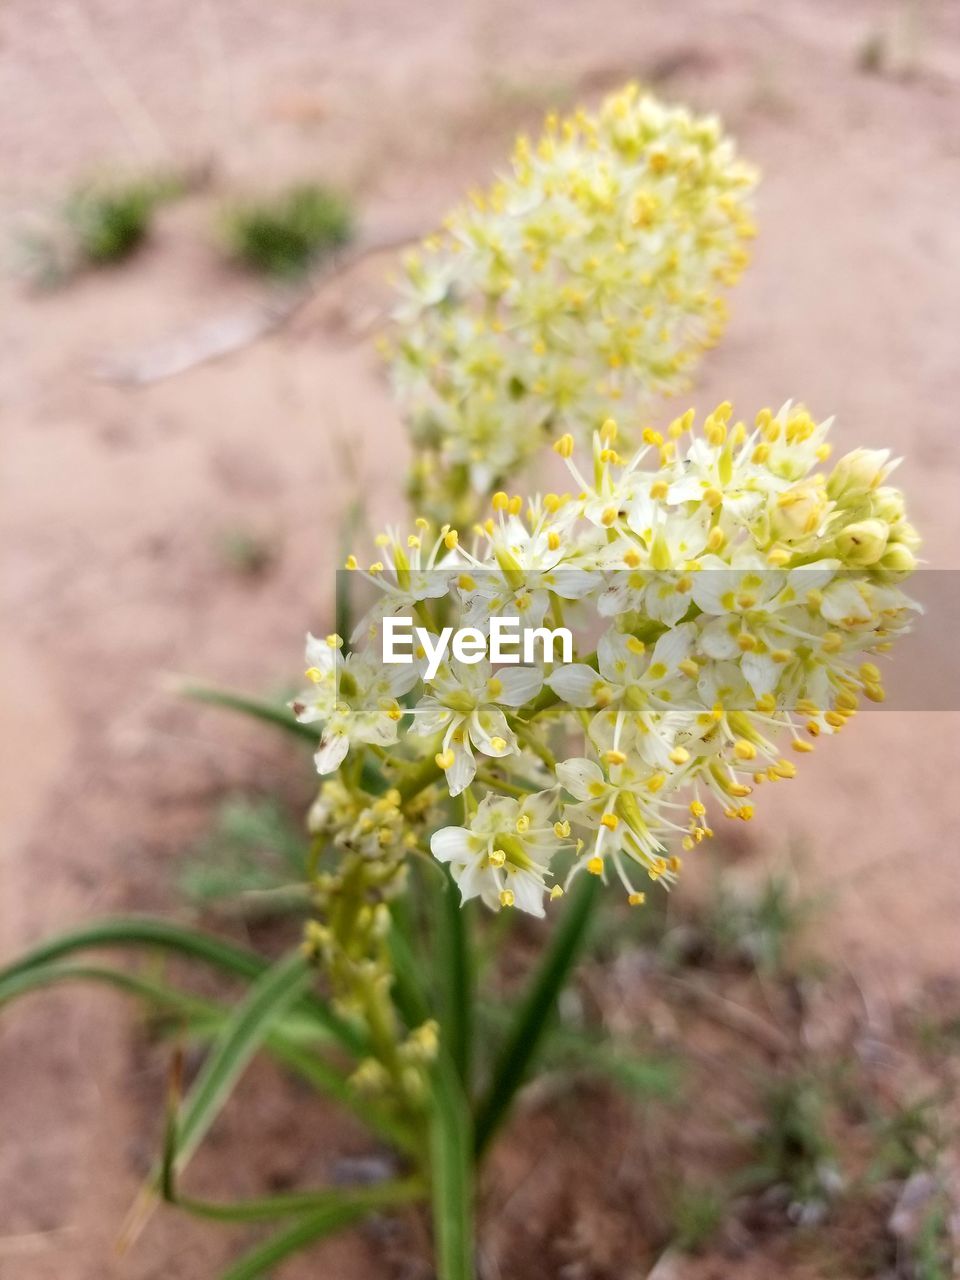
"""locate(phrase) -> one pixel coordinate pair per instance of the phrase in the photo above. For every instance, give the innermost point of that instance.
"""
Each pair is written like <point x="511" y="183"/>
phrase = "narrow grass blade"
<point x="137" y="931"/>
<point x="257" y="708"/>
<point x="259" y="1263"/>
<point x="245" y="1030"/>
<point x="297" y="1203"/>
<point x="451" y="1167"/>
<point x="531" y="1019"/>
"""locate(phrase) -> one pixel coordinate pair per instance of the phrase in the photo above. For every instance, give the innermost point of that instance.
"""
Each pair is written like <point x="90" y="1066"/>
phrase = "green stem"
<point x="456" y="974"/>
<point x="531" y="1019"/>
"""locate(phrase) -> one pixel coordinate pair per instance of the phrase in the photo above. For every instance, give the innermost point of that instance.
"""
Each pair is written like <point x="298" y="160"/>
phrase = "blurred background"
<point x="199" y="206"/>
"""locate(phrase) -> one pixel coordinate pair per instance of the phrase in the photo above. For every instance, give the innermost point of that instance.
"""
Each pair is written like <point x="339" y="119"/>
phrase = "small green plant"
<point x="698" y="1213"/>
<point x="286" y="235"/>
<point x="908" y="1139"/>
<point x="758" y="927"/>
<point x="111" y="220"/>
<point x="102" y="222"/>
<point x="247" y="552"/>
<point x="793" y="1147"/>
<point x="254" y="859"/>
<point x="933" y="1252"/>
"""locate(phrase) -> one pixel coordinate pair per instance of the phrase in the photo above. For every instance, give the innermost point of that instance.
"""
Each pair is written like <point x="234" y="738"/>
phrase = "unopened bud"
<point x="862" y="544"/>
<point x="856" y="473"/>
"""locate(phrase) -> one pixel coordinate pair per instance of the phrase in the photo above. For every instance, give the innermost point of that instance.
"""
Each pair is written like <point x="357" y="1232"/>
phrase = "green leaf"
<point x="295" y="1203"/>
<point x="455" y="970"/>
<point x="244" y="1031"/>
<point x="134" y="931"/>
<point x="532" y="1017"/>
<point x="324" y="1222"/>
<point x="408" y="993"/>
<point x="246" y="704"/>
<point x="451" y="1169"/>
<point x="155" y="993"/>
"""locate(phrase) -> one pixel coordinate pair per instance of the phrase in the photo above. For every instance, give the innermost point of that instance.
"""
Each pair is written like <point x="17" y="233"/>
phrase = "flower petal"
<point x="451" y="844"/>
<point x="331" y="753"/>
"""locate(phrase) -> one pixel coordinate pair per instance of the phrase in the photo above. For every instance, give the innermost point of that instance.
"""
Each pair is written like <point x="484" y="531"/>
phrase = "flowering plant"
<point x="728" y="592"/>
<point x="589" y="277"/>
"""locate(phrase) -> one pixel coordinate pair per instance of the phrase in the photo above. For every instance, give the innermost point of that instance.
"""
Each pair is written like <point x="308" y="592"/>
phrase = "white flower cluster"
<point x="738" y="596"/>
<point x="593" y="273"/>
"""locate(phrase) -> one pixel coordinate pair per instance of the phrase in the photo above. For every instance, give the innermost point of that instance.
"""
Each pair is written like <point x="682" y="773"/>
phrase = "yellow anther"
<point x="614" y="757"/>
<point x="609" y="516"/>
<point x="351" y="563"/>
<point x="846" y="701"/>
<point x="767" y="704"/>
<point x="713" y="497"/>
<point x="778" y="557"/>
<point x="523" y="824"/>
<point x="561" y="830"/>
<point x="636" y="646"/>
<point x="697" y="808"/>
<point x="445" y="759"/>
<point x="413" y="542"/>
<point x="498" y="744"/>
<point x="746" y="643"/>
<point x="500" y="500"/>
<point x="801" y="746"/>
<point x="466" y="583"/>
<point x="659" y="489"/>
<point x="649" y="436"/>
<point x="595" y="866"/>
<point x="506" y="898"/>
<point x="689" y="668"/>
<point x="874" y="692"/>
<point x="608" y="432"/>
<point x="564" y="446"/>
<point x="632" y="559"/>
<point x="610" y="821"/>
<point x="716" y="539"/>
<point x="781" y="655"/>
<point x="555" y="893"/>
<point x="744" y="750"/>
<point x="553" y="541"/>
<point x="516" y="505"/>
<point x="679" y="755"/>
<point x="422" y="524"/>
<point x="655" y="782"/>
<point x="869" y="673"/>
<point x="636" y="899"/>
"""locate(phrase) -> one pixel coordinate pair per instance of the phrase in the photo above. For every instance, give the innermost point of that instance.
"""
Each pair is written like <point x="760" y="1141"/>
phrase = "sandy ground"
<point x="115" y="500"/>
